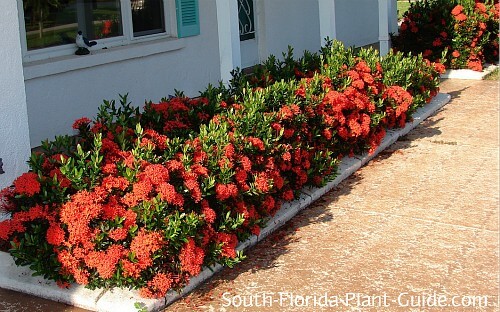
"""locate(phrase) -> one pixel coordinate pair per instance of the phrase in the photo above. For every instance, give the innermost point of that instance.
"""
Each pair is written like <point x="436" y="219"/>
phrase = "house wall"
<point x="58" y="92"/>
<point x="14" y="136"/>
<point x="288" y="22"/>
<point x="357" y="22"/>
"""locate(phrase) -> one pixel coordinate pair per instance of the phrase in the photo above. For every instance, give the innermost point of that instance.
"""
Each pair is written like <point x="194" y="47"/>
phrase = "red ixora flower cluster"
<point x="148" y="205"/>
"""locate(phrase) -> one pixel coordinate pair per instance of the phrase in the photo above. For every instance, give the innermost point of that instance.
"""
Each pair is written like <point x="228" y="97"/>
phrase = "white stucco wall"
<point x="14" y="136"/>
<point x="357" y="22"/>
<point x="56" y="100"/>
<point x="288" y="22"/>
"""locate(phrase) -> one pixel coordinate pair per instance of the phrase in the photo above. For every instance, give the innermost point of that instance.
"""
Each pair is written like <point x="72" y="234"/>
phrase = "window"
<point x="246" y="19"/>
<point x="147" y="17"/>
<point x="51" y="23"/>
<point x="50" y="26"/>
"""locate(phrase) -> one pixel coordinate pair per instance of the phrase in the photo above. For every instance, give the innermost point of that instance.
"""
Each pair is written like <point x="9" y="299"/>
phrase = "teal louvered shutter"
<point x="188" y="20"/>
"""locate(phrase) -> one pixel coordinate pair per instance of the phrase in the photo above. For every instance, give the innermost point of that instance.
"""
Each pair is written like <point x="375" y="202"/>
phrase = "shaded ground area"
<point x="11" y="301"/>
<point x="417" y="226"/>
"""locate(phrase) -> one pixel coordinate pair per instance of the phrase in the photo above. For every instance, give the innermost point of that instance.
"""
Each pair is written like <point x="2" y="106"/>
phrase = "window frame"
<point x="61" y="51"/>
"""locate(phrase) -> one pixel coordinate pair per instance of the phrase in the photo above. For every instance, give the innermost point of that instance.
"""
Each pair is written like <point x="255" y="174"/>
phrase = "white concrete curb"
<point x="468" y="73"/>
<point x="19" y="278"/>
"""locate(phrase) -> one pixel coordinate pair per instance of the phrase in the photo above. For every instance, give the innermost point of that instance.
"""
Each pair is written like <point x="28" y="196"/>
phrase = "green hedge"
<point x="144" y="200"/>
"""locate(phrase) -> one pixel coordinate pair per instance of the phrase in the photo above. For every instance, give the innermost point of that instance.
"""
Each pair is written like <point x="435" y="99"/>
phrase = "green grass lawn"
<point x="403" y="6"/>
<point x="493" y="75"/>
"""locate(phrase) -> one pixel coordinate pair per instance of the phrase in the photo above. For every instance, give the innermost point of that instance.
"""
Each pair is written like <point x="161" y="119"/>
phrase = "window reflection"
<point x="56" y="22"/>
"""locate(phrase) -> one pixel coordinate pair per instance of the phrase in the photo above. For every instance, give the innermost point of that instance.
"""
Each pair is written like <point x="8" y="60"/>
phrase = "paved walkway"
<point x="420" y="223"/>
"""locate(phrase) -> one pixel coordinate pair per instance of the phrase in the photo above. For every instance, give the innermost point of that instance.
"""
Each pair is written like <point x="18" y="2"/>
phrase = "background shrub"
<point x="457" y="33"/>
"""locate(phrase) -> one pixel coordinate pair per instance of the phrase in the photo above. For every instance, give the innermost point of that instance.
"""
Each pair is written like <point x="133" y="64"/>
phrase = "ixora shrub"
<point x="457" y="33"/>
<point x="145" y="200"/>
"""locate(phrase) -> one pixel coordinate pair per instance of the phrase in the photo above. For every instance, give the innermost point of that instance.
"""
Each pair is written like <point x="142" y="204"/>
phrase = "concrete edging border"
<point x="468" y="73"/>
<point x="19" y="279"/>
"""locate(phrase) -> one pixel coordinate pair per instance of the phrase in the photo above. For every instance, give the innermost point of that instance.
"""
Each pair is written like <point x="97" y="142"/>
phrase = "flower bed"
<point x="145" y="199"/>
<point x="458" y="33"/>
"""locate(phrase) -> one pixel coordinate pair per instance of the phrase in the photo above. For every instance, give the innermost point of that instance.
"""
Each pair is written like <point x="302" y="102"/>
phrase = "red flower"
<point x="461" y="17"/>
<point x="229" y="243"/>
<point x="455" y="54"/>
<point x="62" y="284"/>
<point x="288" y="133"/>
<point x="474" y="64"/>
<point x="278" y="180"/>
<point x="105" y="262"/>
<point x="118" y="234"/>
<point x="175" y="165"/>
<point x="191" y="257"/>
<point x="240" y="176"/>
<point x="481" y="7"/>
<point x="7" y="227"/>
<point x="362" y="66"/>
<point x="111" y="182"/>
<point x="199" y="170"/>
<point x="261" y="183"/>
<point x="225" y="191"/>
<point x="81" y="123"/>
<point x="157" y="287"/>
<point x="257" y="143"/>
<point x="301" y="91"/>
<point x="246" y="163"/>
<point x="457" y="10"/>
<point x="140" y="192"/>
<point x="255" y="230"/>
<point x="145" y="244"/>
<point x="437" y="42"/>
<point x="27" y="184"/>
<point x="131" y="269"/>
<point x="229" y="151"/>
<point x="440" y="68"/>
<point x="106" y="27"/>
<point x="155" y="173"/>
<point x="168" y="193"/>
<point x="288" y="195"/>
<point x="55" y="234"/>
<point x="191" y="183"/>
<point x="208" y="213"/>
<point x="427" y="53"/>
<point x="358" y="84"/>
<point x="353" y="74"/>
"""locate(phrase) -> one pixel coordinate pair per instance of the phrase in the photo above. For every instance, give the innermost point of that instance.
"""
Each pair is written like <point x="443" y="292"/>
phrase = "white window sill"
<point x="62" y="64"/>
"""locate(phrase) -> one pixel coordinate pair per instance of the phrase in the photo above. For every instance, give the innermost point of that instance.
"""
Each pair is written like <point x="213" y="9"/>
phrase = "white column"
<point x="261" y="29"/>
<point x="327" y="26"/>
<point x="393" y="17"/>
<point x="14" y="133"/>
<point x="383" y="26"/>
<point x="229" y="37"/>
